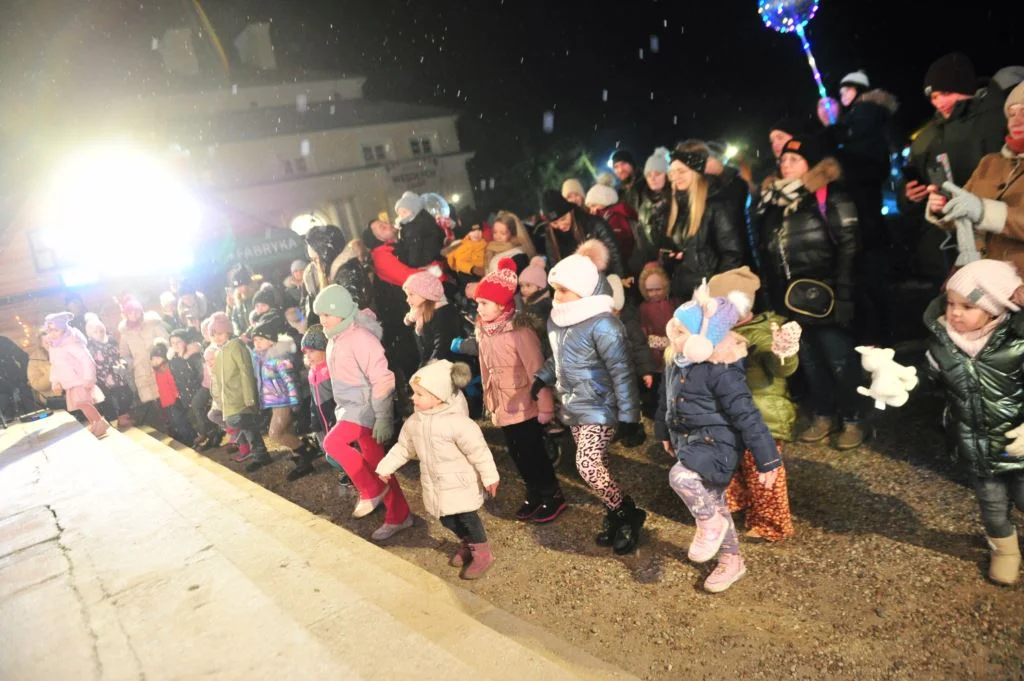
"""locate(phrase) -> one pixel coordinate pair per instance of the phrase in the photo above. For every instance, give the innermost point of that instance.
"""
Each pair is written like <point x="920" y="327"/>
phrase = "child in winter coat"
<point x="321" y="402"/>
<point x="456" y="467"/>
<point x="655" y="313"/>
<point x="171" y="404"/>
<point x="595" y="382"/>
<point x="976" y="349"/>
<point x="772" y="346"/>
<point x="236" y="393"/>
<point x="138" y="330"/>
<point x="110" y="372"/>
<point x="211" y="407"/>
<point x="638" y="349"/>
<point x="275" y="374"/>
<point x="465" y="255"/>
<point x="73" y="371"/>
<point x="363" y="388"/>
<point x="436" y="322"/>
<point x="706" y="419"/>
<point x="534" y="291"/>
<point x="510" y="354"/>
<point x="509" y="239"/>
<point x="186" y="362"/>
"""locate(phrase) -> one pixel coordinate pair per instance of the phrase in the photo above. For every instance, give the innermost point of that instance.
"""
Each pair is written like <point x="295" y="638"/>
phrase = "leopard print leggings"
<point x="592" y="462"/>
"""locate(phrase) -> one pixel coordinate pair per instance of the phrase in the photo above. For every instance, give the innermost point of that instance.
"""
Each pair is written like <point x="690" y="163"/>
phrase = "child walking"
<point x="186" y="362"/>
<point x="976" y="348"/>
<point x="772" y="346"/>
<point x="706" y="419"/>
<point x="456" y="467"/>
<point x="363" y="388"/>
<point x="593" y="377"/>
<point x="236" y="392"/>
<point x="111" y="372"/>
<point x="73" y="371"/>
<point x="510" y="354"/>
<point x="172" y="406"/>
<point x="321" y="401"/>
<point x="275" y="373"/>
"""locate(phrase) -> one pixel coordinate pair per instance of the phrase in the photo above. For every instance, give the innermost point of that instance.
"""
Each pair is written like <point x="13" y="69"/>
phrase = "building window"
<point x="375" y="153"/>
<point x="421" y="146"/>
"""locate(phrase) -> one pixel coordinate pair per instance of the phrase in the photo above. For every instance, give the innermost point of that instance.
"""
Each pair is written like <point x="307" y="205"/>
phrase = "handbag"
<point x="810" y="297"/>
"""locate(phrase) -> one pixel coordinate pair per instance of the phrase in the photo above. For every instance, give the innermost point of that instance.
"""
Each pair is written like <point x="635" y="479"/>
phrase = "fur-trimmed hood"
<point x="882" y="98"/>
<point x="824" y="173"/>
<point x="284" y="348"/>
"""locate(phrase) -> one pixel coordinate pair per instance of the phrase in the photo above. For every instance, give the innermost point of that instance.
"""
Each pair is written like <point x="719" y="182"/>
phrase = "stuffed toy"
<point x="891" y="382"/>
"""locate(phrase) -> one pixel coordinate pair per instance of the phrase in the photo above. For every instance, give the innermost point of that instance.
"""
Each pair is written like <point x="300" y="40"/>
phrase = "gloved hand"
<point x="383" y="429"/>
<point x="786" y="340"/>
<point x="456" y="344"/>
<point x="843" y="313"/>
<point x="1016" y="445"/>
<point x="535" y="389"/>
<point x="963" y="204"/>
<point x="465" y="346"/>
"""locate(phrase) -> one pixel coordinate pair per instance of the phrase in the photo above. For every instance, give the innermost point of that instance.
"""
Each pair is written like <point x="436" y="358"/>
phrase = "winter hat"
<point x="649" y="271"/>
<point x="581" y="271"/>
<point x="469" y="217"/>
<point x="618" y="292"/>
<point x="335" y="300"/>
<point x="240" y="275"/>
<point x="1015" y="97"/>
<point x="535" y="273"/>
<point x="953" y="72"/>
<point x="808" y="147"/>
<point x="657" y="162"/>
<point x="788" y="125"/>
<point x="326" y="242"/>
<point x="602" y="194"/>
<point x="555" y="205"/>
<point x="694" y="160"/>
<point x="270" y="326"/>
<point x="698" y="326"/>
<point x="131" y="303"/>
<point x="265" y="296"/>
<point x="739" y="286"/>
<point x="857" y="79"/>
<point x="1008" y="77"/>
<point x="159" y="349"/>
<point x="623" y="156"/>
<point x="572" y="186"/>
<point x="442" y="378"/>
<point x="298" y="265"/>
<point x="499" y="286"/>
<point x="167" y="298"/>
<point x="188" y="335"/>
<point x="314" y="338"/>
<point x="411" y="201"/>
<point x="425" y="285"/>
<point x="93" y="325"/>
<point x="988" y="284"/>
<point x="219" y="323"/>
<point x="58" y="320"/>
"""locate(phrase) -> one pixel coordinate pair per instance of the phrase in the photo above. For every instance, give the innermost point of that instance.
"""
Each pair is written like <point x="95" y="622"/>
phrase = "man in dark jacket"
<point x="568" y="226"/>
<point x="15" y="393"/>
<point x="421" y="239"/>
<point x="329" y="265"/>
<point x="630" y="185"/>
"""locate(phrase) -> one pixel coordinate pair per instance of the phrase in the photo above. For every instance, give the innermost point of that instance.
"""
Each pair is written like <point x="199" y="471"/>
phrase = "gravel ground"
<point x="885" y="578"/>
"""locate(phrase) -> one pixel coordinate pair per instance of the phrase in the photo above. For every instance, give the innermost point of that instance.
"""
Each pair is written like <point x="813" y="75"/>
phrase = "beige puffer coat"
<point x="135" y="346"/>
<point x="455" y="462"/>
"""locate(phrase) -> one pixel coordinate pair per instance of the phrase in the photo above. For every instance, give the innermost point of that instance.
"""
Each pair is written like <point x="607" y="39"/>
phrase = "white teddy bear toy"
<point x="891" y="382"/>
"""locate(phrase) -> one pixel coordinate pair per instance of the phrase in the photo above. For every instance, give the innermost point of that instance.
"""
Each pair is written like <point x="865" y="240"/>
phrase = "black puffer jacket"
<point x="717" y="246"/>
<point x="345" y="271"/>
<point x="861" y="137"/>
<point x="813" y="245"/>
<point x="653" y="218"/>
<point x="585" y="226"/>
<point x="420" y="241"/>
<point x="436" y="336"/>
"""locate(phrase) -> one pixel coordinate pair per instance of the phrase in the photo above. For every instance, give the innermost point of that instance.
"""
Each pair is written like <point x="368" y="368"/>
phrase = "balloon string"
<point x="817" y="74"/>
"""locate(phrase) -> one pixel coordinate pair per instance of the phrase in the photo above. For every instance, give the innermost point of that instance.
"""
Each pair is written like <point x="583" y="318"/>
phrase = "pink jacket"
<point x="508" y="362"/>
<point x="71" y="365"/>
<point x="362" y="383"/>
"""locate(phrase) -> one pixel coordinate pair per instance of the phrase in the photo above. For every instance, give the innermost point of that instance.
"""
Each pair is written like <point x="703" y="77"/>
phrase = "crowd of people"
<point x="677" y="292"/>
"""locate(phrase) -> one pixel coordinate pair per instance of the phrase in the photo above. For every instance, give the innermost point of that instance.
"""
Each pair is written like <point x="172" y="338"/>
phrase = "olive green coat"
<point x="767" y="374"/>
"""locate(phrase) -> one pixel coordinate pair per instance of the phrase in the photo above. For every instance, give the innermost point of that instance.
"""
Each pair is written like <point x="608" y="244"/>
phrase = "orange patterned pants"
<point x="767" y="509"/>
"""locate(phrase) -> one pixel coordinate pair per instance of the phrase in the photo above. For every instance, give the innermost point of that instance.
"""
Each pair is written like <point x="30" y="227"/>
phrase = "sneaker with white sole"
<point x="730" y="570"/>
<point x="708" y="539"/>
<point x="367" y="506"/>
<point x="387" y="531"/>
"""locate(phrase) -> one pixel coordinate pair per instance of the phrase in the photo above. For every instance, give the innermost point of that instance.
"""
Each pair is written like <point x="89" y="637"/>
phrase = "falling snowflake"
<point x="492" y="183"/>
<point x="652" y="95"/>
<point x="234" y="89"/>
<point x="548" y="122"/>
<point x="675" y="120"/>
<point x="155" y="44"/>
<point x="332" y="110"/>
<point x="304" y="148"/>
<point x="301" y="103"/>
<point x="421" y="59"/>
<point x="604" y="95"/>
<point x="655" y="44"/>
<point x="641" y="54"/>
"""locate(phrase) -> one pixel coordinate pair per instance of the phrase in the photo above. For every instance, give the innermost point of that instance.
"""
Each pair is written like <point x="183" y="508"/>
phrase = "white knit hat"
<point x="857" y="79"/>
<point x="572" y="186"/>
<point x="600" y="195"/>
<point x="578" y="273"/>
<point x="442" y="378"/>
<point x="618" y="292"/>
<point x="657" y="162"/>
<point x="988" y="284"/>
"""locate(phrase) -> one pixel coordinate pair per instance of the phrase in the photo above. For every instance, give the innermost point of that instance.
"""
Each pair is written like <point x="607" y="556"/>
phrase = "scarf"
<point x="972" y="342"/>
<point x="500" y="324"/>
<point x="1014" y="145"/>
<point x="576" y="311"/>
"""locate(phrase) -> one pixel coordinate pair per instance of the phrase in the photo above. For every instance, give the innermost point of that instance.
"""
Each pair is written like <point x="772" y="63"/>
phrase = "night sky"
<point x="717" y="72"/>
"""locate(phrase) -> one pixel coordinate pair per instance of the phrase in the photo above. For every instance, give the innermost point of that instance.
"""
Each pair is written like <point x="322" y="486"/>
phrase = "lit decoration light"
<point x="456" y="198"/>
<point x="790" y="16"/>
<point x="730" y="151"/>
<point x="26" y="331"/>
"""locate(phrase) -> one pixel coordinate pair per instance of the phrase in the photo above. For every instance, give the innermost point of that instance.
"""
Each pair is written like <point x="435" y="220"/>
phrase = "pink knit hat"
<point x="425" y="285"/>
<point x="219" y="323"/>
<point x="535" y="274"/>
<point x="988" y="284"/>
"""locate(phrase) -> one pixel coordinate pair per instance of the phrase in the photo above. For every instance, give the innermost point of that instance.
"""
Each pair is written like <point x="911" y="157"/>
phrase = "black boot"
<point x="635" y="438"/>
<point x="212" y="441"/>
<point x="630" y="520"/>
<point x="304" y="457"/>
<point x="529" y="507"/>
<point x="609" y="530"/>
<point x="259" y="459"/>
<point x="550" y="508"/>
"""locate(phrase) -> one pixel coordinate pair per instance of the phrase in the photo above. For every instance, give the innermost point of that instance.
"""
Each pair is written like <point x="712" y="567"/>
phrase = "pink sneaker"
<point x="708" y="539"/>
<point x="730" y="570"/>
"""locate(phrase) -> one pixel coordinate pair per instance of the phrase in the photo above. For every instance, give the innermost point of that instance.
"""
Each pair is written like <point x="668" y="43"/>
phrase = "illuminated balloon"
<point x="785" y="16"/>
<point x="436" y="206"/>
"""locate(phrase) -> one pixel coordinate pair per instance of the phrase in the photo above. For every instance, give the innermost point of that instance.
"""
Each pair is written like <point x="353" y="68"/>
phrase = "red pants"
<point x="361" y="465"/>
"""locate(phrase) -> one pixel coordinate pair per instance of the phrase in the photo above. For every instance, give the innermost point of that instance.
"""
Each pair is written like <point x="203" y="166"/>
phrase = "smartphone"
<point x="940" y="172"/>
<point x="912" y="174"/>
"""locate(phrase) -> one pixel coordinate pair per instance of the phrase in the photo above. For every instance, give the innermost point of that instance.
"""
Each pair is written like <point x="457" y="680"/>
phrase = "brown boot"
<point x="851" y="437"/>
<point x="462" y="556"/>
<point x="820" y="428"/>
<point x="1005" y="566"/>
<point x="482" y="560"/>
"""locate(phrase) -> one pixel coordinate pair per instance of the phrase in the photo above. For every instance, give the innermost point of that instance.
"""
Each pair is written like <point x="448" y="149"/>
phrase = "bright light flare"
<point x="456" y="198"/>
<point x="115" y="211"/>
<point x="730" y="152"/>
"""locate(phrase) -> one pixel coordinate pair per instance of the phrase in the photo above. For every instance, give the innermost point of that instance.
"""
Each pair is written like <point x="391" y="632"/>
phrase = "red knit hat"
<point x="499" y="286"/>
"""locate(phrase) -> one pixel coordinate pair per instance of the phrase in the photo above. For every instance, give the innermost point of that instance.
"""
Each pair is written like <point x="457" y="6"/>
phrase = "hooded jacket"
<point x="592" y="370"/>
<point x="188" y="375"/>
<point x="71" y="365"/>
<point x="621" y="218"/>
<point x="134" y="348"/>
<point x="362" y="384"/>
<point x="420" y="241"/>
<point x="275" y="373"/>
<point x="509" y="359"/>
<point x="585" y="226"/>
<point x="861" y="138"/>
<point x="235" y="385"/>
<point x="455" y="462"/>
<point x="985" y="394"/>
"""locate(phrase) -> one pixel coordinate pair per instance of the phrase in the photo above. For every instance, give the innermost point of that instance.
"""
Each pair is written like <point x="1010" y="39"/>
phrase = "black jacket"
<point x="435" y="341"/>
<point x="13" y="366"/>
<point x="348" y="273"/>
<point x="653" y="218"/>
<point x="717" y="246"/>
<point x="420" y="241"/>
<point x="815" y="246"/>
<point x="861" y="138"/>
<point x="585" y="226"/>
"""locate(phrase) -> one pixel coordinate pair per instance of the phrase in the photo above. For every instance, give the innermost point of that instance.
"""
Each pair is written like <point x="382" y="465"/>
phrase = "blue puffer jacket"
<point x="708" y="414"/>
<point x="592" y="371"/>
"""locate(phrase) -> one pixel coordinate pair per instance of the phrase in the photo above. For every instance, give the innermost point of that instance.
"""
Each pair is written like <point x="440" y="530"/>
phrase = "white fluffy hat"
<point x="443" y="378"/>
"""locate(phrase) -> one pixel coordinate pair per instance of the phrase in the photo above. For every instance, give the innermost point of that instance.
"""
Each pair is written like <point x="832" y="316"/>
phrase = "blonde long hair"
<point x="518" y="231"/>
<point x="697" y="196"/>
